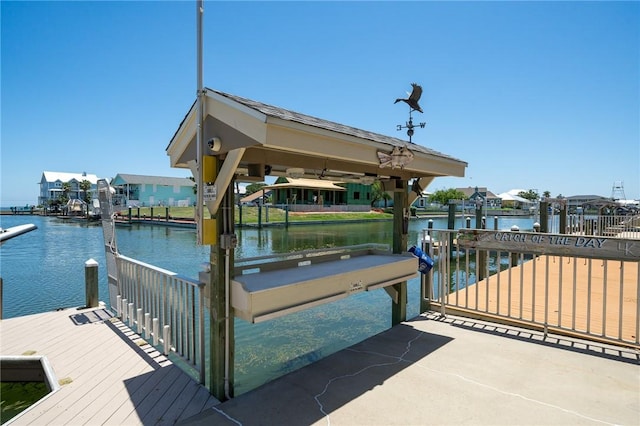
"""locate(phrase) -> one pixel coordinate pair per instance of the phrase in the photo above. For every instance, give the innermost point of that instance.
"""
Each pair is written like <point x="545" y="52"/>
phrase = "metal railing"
<point x="577" y="285"/>
<point x="621" y="226"/>
<point x="165" y="307"/>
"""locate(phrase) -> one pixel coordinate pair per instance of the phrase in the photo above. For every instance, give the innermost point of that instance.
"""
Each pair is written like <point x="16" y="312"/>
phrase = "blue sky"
<point x="532" y="95"/>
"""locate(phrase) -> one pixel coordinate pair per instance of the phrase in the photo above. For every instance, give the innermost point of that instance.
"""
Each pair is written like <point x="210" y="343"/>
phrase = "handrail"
<point x="151" y="298"/>
<point x="572" y="284"/>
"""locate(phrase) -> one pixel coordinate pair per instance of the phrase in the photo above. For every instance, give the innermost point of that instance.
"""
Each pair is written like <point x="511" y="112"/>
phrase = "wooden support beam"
<point x="221" y="335"/>
<point x="400" y="232"/>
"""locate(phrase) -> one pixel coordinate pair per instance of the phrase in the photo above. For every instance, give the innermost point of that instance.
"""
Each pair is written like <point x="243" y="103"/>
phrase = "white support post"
<point x="119" y="306"/>
<point x="147" y="325"/>
<point x="166" y="332"/>
<point x="124" y="310"/>
<point x="156" y="331"/>
<point x="132" y="318"/>
<point x="139" y="321"/>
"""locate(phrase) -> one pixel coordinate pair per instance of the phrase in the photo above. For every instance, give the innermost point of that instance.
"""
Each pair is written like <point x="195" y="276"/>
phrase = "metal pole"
<point x="200" y="115"/>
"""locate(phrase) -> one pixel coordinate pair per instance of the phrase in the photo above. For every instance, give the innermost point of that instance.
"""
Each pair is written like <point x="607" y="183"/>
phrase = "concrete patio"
<point x="451" y="371"/>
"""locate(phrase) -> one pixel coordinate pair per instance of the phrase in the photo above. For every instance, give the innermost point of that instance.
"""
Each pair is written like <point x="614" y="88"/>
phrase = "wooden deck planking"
<point x="113" y="376"/>
<point x="501" y="295"/>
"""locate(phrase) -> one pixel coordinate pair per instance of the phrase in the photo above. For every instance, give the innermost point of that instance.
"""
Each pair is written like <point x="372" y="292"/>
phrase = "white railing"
<point x="579" y="285"/>
<point x="163" y="306"/>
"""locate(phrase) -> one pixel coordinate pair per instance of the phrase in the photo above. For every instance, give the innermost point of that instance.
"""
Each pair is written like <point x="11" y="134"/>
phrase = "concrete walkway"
<point x="453" y="371"/>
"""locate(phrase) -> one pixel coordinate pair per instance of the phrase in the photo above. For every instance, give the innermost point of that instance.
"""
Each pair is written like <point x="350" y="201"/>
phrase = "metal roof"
<point x="68" y="177"/>
<point x="124" y="179"/>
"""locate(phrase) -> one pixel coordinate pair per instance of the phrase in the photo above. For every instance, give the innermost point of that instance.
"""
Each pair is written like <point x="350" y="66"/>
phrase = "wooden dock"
<point x="108" y="374"/>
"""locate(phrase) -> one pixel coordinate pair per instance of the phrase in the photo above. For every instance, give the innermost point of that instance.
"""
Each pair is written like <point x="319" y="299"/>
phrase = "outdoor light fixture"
<point x="399" y="157"/>
<point x="295" y="172"/>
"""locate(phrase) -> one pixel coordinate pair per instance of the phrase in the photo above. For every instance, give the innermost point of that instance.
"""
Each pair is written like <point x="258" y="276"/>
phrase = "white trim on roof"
<point x="68" y="177"/>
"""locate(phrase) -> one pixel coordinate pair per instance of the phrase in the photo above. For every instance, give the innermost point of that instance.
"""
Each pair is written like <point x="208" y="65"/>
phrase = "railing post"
<point x="132" y="318"/>
<point x="124" y="310"/>
<point x="91" y="283"/>
<point x="139" y="320"/>
<point x="514" y="256"/>
<point x="166" y="333"/>
<point x="156" y="331"/>
<point x="201" y="333"/>
<point x="481" y="255"/>
<point x="425" y="288"/>
<point x="147" y="325"/>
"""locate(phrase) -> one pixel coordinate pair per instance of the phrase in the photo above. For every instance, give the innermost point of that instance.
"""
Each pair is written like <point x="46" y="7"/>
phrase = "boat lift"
<point x="225" y="139"/>
<point x="268" y="287"/>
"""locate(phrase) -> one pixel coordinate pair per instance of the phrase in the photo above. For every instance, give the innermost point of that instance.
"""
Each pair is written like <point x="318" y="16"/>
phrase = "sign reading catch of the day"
<point x="558" y="244"/>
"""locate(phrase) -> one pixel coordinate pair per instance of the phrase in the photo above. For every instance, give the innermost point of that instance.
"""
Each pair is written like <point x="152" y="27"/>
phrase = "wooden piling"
<point x="91" y="283"/>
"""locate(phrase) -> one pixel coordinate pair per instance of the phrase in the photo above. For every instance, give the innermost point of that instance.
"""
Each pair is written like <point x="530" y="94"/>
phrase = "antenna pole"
<point x="200" y="114"/>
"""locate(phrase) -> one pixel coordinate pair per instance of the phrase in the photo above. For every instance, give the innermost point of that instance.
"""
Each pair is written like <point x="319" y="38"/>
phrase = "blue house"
<point x="52" y="186"/>
<point x="142" y="191"/>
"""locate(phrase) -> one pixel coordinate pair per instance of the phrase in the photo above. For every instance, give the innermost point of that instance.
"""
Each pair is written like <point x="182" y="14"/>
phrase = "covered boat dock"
<point x="226" y="138"/>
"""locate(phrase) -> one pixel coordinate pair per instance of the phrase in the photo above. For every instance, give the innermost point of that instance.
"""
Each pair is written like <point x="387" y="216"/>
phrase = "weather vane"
<point x="412" y="101"/>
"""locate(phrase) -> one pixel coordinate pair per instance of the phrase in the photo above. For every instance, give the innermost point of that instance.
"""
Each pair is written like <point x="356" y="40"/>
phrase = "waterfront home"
<point x="56" y="185"/>
<point x="140" y="190"/>
<point x="320" y="195"/>
<point x="482" y="195"/>
<point x="511" y="200"/>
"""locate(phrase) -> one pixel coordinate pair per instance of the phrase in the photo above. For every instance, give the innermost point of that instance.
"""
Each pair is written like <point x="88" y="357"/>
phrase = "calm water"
<point x="44" y="270"/>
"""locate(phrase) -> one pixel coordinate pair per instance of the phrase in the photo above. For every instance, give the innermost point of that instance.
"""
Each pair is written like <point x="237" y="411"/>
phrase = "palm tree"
<point x="66" y="189"/>
<point x="85" y="186"/>
<point x="378" y="193"/>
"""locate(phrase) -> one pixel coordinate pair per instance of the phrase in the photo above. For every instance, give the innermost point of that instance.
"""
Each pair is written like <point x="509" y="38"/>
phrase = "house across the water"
<point x="300" y="195"/>
<point x="55" y="186"/>
<point x="140" y="190"/>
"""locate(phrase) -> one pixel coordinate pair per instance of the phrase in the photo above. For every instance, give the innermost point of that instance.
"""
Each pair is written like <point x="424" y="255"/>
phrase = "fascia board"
<point x="242" y="118"/>
<point x="183" y="137"/>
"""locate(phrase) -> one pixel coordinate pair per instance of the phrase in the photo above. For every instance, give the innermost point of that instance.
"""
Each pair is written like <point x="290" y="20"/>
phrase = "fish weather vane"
<point x="412" y="101"/>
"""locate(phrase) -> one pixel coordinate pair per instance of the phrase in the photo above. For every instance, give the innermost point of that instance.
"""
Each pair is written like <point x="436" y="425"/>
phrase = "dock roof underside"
<point x="275" y="139"/>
